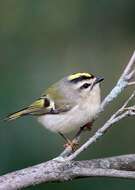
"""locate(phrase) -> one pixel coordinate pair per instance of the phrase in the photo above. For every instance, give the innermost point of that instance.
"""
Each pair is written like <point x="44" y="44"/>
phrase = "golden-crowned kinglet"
<point x="67" y="105"/>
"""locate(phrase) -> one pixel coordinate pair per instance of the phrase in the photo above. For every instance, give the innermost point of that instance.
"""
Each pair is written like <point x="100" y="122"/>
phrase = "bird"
<point x="71" y="104"/>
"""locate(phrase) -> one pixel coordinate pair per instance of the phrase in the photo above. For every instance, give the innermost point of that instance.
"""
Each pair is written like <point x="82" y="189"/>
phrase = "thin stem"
<point x="129" y="66"/>
<point x="131" y="83"/>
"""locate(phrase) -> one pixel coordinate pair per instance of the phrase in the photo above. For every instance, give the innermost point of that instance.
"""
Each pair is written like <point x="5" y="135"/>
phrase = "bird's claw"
<point x="72" y="144"/>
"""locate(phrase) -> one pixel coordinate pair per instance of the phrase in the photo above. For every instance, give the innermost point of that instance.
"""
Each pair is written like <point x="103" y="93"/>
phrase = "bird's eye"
<point x="85" y="85"/>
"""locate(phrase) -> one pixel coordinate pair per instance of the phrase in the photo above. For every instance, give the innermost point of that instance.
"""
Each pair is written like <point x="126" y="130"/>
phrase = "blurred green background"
<point x="42" y="41"/>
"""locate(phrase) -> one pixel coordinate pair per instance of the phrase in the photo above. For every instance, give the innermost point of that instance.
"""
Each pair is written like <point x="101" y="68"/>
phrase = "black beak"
<point x="98" y="80"/>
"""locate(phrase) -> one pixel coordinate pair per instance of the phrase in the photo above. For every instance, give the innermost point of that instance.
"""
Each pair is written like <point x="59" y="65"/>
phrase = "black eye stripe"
<point x="81" y="78"/>
<point x="46" y="102"/>
<point x="85" y="85"/>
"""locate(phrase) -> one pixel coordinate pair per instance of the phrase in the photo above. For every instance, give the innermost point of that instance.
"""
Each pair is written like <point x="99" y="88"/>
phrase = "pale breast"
<point x="77" y="117"/>
<point x="71" y="120"/>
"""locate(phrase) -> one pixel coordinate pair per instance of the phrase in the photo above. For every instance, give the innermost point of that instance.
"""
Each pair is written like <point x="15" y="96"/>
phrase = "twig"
<point x="128" y="100"/>
<point x="122" y="83"/>
<point x="131" y="83"/>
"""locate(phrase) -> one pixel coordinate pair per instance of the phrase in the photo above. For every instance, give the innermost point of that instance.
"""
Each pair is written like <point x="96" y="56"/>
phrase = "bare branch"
<point x="122" y="83"/>
<point x="119" y="166"/>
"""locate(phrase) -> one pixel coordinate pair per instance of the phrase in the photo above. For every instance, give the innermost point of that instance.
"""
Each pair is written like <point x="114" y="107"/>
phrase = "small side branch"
<point x="124" y="81"/>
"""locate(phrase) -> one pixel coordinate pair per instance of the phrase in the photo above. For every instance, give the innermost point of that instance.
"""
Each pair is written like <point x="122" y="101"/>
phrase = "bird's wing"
<point x="48" y="105"/>
<point x="58" y="102"/>
<point x="41" y="106"/>
<point x="50" y="102"/>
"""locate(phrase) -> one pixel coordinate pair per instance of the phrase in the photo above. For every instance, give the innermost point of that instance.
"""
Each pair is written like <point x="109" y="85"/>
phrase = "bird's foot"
<point x="72" y="144"/>
<point x="88" y="126"/>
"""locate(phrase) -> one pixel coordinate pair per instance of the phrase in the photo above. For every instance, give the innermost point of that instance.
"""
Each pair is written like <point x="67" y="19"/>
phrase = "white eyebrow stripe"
<point x="81" y="83"/>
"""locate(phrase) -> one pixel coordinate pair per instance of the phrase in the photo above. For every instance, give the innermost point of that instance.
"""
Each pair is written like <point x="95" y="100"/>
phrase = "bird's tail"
<point x="36" y="108"/>
<point x="17" y="114"/>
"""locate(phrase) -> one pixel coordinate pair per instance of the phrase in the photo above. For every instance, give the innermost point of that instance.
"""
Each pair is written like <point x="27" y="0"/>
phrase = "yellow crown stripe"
<point x="77" y="75"/>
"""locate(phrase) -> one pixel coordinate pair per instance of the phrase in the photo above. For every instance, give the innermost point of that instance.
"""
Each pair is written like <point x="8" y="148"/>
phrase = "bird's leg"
<point x="85" y="127"/>
<point x="64" y="137"/>
<point x="88" y="126"/>
<point x="78" y="134"/>
<point x="73" y="144"/>
<point x="75" y="141"/>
